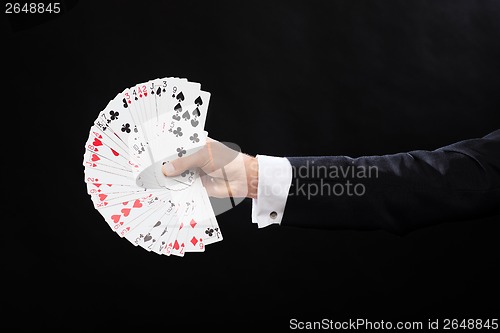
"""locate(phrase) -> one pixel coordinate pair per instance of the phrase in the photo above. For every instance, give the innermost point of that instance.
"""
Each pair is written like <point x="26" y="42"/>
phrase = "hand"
<point x="225" y="172"/>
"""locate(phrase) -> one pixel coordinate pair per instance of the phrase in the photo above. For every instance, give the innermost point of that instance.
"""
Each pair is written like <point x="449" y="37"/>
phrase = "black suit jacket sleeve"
<point x="399" y="192"/>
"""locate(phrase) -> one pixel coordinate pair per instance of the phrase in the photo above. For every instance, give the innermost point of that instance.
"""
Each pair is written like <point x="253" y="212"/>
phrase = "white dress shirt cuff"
<point x="275" y="178"/>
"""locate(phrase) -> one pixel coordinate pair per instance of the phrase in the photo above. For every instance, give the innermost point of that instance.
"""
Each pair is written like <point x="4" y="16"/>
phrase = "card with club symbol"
<point x="141" y="128"/>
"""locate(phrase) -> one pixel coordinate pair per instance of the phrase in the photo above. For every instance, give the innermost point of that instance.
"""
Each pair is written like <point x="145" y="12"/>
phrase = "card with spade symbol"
<point x="141" y="128"/>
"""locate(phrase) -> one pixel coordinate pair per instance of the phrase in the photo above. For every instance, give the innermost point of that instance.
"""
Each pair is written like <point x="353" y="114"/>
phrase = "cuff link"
<point x="273" y="215"/>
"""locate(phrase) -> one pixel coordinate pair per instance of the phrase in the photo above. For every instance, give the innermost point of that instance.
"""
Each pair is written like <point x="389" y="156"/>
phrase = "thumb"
<point x="181" y="164"/>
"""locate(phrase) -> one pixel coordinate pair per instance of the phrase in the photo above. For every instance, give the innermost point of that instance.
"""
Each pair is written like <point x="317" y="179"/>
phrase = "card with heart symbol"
<point x="141" y="128"/>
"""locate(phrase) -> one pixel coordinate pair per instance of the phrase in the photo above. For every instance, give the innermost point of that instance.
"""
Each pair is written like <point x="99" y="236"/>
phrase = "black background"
<point x="287" y="78"/>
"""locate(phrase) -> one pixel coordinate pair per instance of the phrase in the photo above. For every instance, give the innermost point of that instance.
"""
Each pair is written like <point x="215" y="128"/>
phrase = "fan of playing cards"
<point x="139" y="130"/>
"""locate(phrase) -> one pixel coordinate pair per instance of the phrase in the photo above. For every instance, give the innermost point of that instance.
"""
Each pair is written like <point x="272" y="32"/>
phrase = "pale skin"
<point x="224" y="172"/>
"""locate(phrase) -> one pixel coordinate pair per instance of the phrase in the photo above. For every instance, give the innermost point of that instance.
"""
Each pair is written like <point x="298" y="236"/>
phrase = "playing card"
<point x="175" y="240"/>
<point x="101" y="145"/>
<point x="207" y="229"/>
<point x="140" y="129"/>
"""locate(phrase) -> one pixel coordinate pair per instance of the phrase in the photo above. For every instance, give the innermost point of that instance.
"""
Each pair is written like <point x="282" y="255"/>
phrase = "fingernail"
<point x="168" y="168"/>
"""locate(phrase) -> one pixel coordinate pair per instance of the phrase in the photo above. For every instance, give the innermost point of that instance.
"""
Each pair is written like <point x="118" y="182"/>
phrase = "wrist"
<point x="252" y="171"/>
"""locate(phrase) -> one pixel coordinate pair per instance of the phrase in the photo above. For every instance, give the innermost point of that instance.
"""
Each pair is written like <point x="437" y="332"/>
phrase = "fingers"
<point x="216" y="187"/>
<point x="211" y="158"/>
<point x="178" y="166"/>
<point x="221" y="154"/>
